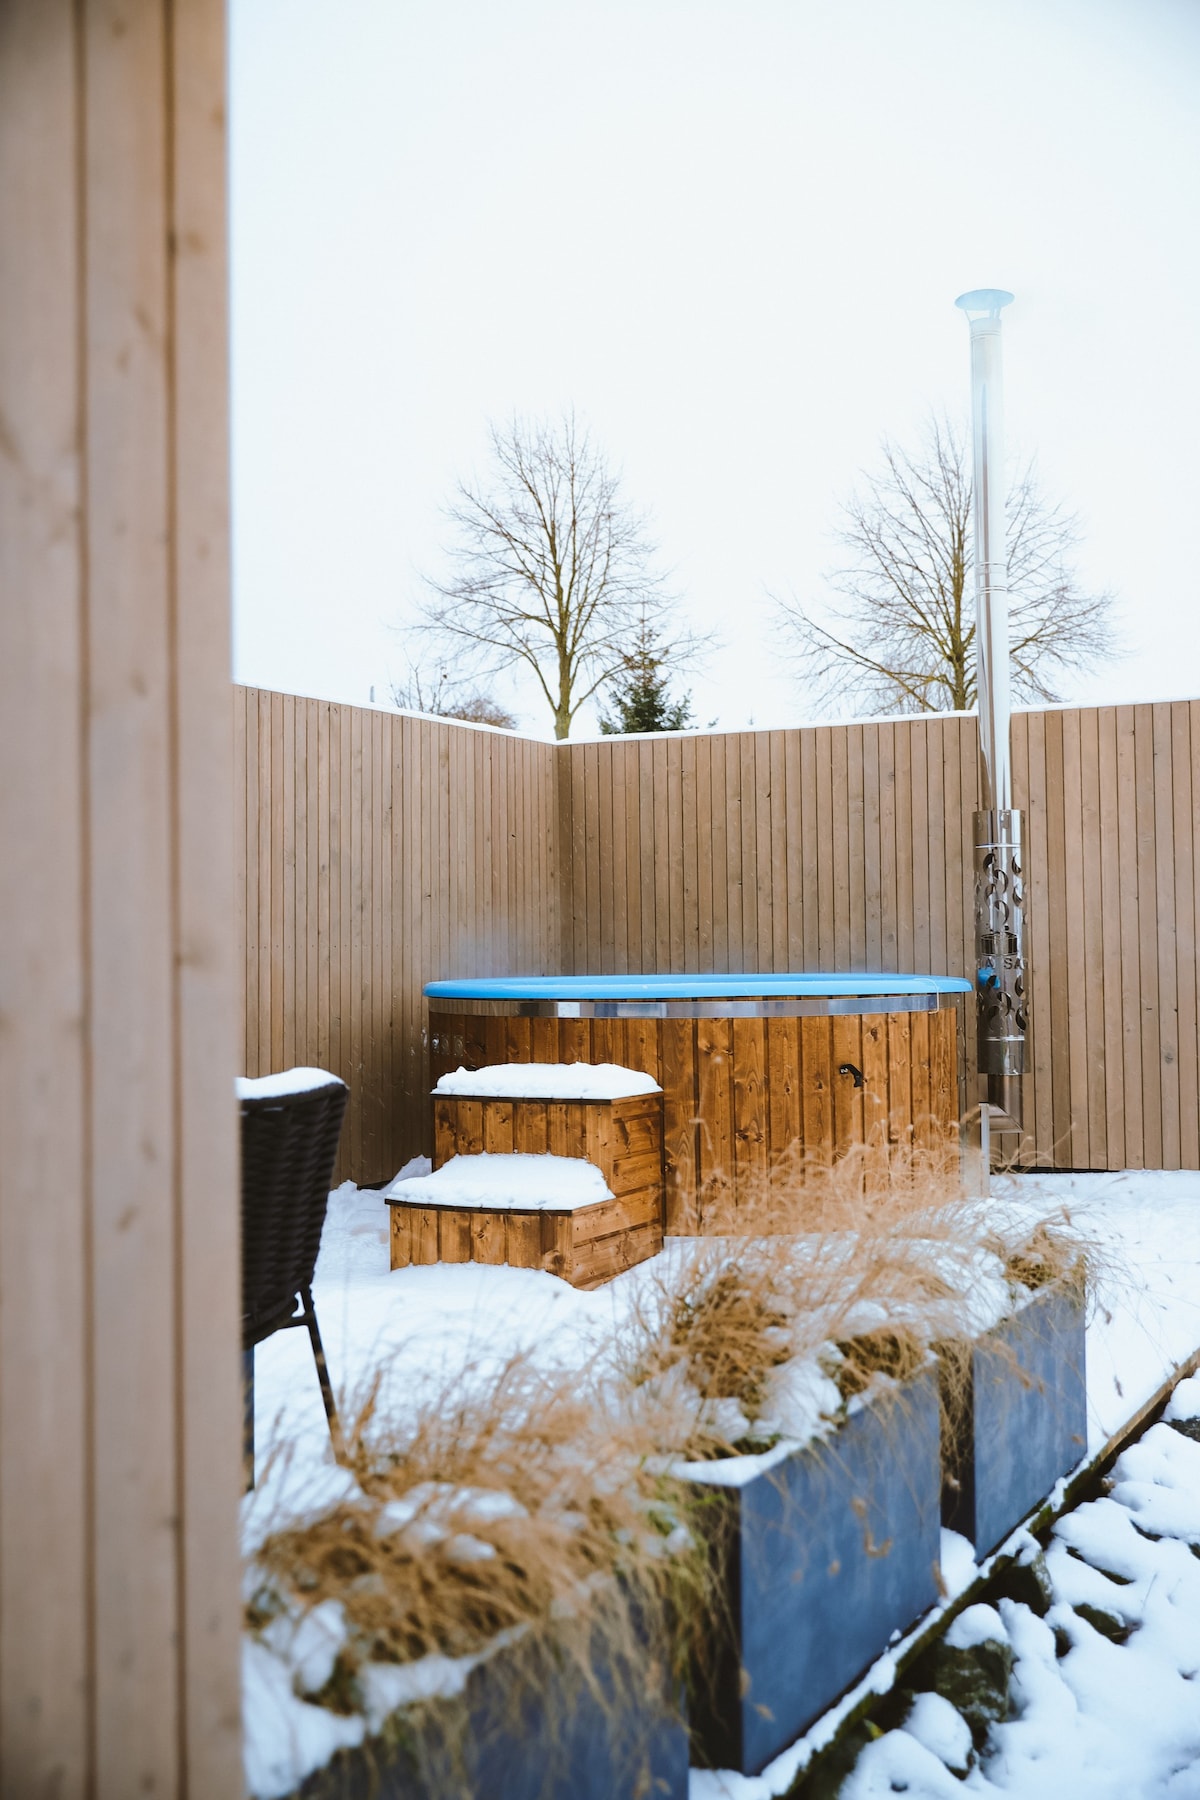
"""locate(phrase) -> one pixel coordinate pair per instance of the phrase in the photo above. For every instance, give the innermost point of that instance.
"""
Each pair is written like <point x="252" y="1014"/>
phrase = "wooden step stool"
<point x="585" y="1245"/>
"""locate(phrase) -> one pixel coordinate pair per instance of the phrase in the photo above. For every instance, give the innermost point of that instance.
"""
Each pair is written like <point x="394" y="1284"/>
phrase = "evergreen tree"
<point x="639" y="693"/>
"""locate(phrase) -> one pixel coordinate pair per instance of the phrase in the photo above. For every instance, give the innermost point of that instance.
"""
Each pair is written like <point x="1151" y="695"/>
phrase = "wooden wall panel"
<point x="120" y="1466"/>
<point x="839" y="847"/>
<point x="417" y="848"/>
<point x="381" y="851"/>
<point x="44" y="1173"/>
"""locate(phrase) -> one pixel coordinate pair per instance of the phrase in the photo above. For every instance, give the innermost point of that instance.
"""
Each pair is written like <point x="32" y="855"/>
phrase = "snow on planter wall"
<point x="1022" y="1421"/>
<point x="557" y="1739"/>
<point x="824" y="1553"/>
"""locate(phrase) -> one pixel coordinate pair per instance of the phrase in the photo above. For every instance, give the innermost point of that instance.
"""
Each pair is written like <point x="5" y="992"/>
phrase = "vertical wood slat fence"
<point x="846" y="847"/>
<point x="374" y="851"/>
<point x="377" y="852"/>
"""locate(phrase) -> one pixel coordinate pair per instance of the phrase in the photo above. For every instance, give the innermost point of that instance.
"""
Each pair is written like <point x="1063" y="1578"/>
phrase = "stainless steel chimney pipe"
<point x="1000" y="979"/>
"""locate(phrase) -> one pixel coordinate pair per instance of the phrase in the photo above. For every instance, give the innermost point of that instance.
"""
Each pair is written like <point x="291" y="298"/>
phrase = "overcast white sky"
<point x="730" y="233"/>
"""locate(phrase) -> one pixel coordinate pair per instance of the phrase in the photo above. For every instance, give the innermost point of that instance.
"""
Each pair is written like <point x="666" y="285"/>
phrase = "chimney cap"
<point x="984" y="301"/>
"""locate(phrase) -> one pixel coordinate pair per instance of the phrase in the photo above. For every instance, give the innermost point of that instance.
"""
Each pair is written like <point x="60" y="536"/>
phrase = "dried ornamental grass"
<point x="505" y="1508"/>
<point x="550" y="1513"/>
<point x="826" y="1281"/>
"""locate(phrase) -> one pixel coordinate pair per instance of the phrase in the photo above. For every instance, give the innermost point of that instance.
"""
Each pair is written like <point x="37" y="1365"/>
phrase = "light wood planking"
<point x="409" y="849"/>
<point x="817" y="848"/>
<point x="45" y="1530"/>
<point x="119" y="1414"/>
<point x="1111" y="889"/>
<point x="207" y="977"/>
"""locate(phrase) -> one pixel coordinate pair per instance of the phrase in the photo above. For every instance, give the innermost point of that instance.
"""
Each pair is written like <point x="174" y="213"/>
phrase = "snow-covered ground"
<point x="1091" y="1715"/>
<point x="421" y="1322"/>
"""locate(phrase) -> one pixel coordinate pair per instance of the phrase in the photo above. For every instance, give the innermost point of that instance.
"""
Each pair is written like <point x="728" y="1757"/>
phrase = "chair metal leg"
<point x="248" y="1416"/>
<point x="314" y="1335"/>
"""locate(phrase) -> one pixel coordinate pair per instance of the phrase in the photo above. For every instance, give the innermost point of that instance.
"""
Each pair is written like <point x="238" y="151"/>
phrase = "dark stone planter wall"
<point x="822" y="1556"/>
<point x="542" y="1734"/>
<point x="1024" y="1421"/>
<point x="820" y="1559"/>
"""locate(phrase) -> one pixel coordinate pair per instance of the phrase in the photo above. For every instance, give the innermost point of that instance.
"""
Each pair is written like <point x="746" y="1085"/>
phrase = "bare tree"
<point x="903" y="636"/>
<point x="445" y="698"/>
<point x="552" y="568"/>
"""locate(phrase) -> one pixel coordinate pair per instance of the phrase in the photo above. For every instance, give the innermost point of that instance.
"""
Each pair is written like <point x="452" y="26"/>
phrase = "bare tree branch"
<point x="552" y="568"/>
<point x="441" y="695"/>
<point x="901" y="634"/>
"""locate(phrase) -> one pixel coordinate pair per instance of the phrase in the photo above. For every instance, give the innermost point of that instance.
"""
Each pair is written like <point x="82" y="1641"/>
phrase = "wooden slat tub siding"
<point x="714" y="1094"/>
<point x="681" y="1147"/>
<point x="748" y="1062"/>
<point x="816" y="1062"/>
<point x="846" y="1052"/>
<point x="876" y="1077"/>
<point x="943" y="1061"/>
<point x="783" y="1101"/>
<point x="900" y="1090"/>
<point x="920" y="1073"/>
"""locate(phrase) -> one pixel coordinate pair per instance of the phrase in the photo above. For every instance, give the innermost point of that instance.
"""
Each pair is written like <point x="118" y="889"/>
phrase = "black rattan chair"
<point x="289" y="1146"/>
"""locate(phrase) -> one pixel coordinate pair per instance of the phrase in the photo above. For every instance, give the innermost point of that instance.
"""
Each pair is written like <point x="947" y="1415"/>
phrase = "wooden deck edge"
<point x="927" y="1631"/>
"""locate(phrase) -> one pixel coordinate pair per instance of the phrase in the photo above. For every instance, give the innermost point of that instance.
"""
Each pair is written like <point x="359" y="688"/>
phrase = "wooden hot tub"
<point x="748" y="1064"/>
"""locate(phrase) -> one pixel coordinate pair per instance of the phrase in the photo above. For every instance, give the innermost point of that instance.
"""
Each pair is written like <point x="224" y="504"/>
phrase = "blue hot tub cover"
<point x="692" y="987"/>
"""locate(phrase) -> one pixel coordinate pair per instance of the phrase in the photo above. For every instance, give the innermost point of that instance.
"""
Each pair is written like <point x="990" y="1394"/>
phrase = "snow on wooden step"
<point x="498" y="1181"/>
<point x="548" y="1081"/>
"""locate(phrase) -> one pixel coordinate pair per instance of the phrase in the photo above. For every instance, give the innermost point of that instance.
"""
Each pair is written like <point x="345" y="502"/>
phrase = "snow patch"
<point x="977" y="1625"/>
<point x="1185" y="1401"/>
<point x="507" y="1180"/>
<point x="549" y="1081"/>
<point x="287" y="1081"/>
<point x="957" y="1562"/>
<point x="942" y="1730"/>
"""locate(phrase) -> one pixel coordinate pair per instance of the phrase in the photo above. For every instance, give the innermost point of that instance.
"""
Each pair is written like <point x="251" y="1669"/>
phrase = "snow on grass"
<point x="549" y="1081"/>
<point x="423" y="1319"/>
<point x="506" y="1180"/>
